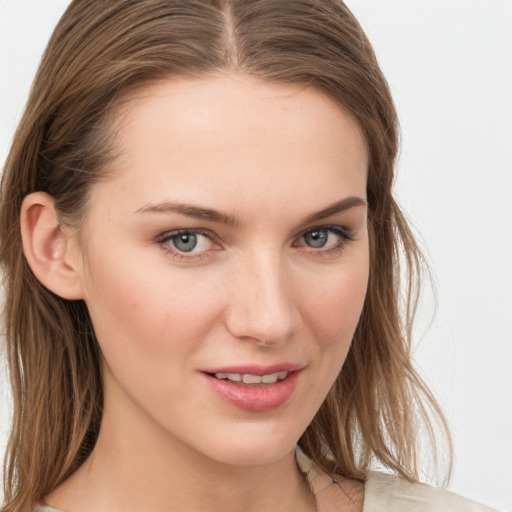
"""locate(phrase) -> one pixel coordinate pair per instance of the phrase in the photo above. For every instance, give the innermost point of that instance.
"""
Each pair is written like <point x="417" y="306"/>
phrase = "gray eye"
<point x="185" y="242"/>
<point x="317" y="238"/>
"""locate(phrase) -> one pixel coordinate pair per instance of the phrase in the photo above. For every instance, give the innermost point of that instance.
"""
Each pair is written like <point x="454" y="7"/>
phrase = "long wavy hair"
<point x="99" y="54"/>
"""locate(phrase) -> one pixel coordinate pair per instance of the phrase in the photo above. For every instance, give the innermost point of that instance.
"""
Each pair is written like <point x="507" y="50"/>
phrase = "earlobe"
<point x="48" y="247"/>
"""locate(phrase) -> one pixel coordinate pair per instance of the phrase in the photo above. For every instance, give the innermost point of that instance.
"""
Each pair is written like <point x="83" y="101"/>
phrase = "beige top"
<point x="383" y="493"/>
<point x="386" y="493"/>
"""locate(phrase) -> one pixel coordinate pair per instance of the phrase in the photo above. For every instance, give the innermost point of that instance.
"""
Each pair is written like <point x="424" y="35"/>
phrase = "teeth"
<point x="235" y="377"/>
<point x="269" y="379"/>
<point x="251" y="379"/>
<point x="247" y="378"/>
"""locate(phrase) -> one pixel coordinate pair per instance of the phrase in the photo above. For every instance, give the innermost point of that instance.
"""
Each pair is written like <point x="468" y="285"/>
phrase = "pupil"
<point x="185" y="242"/>
<point x="316" y="238"/>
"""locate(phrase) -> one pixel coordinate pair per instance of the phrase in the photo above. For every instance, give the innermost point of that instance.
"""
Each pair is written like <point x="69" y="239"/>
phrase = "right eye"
<point x="184" y="242"/>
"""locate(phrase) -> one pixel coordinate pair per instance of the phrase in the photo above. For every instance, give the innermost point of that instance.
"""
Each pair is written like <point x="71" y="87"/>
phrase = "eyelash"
<point x="344" y="234"/>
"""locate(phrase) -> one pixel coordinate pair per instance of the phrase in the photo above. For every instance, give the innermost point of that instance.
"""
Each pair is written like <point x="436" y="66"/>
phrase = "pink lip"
<point x="256" y="369"/>
<point x="258" y="398"/>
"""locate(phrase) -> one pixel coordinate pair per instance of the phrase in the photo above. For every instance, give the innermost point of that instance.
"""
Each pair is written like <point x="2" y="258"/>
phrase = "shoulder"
<point x="44" y="508"/>
<point x="390" y="493"/>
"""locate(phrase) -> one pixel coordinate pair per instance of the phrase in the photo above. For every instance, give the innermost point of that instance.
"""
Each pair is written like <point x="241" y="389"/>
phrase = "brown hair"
<point x="99" y="53"/>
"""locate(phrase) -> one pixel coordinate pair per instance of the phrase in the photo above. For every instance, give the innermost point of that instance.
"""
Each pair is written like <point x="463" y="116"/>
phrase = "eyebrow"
<point x="189" y="210"/>
<point x="202" y="213"/>
<point x="335" y="208"/>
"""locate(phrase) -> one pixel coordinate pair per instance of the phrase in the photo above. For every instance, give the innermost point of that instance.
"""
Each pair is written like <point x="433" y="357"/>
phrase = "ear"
<point x="50" y="248"/>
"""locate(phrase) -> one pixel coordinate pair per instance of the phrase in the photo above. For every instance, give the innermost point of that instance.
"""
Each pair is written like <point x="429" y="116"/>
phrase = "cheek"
<point x="333" y="307"/>
<point x="146" y="309"/>
<point x="331" y="311"/>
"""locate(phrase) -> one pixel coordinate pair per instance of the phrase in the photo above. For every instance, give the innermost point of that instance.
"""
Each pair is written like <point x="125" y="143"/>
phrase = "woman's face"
<point x="225" y="264"/>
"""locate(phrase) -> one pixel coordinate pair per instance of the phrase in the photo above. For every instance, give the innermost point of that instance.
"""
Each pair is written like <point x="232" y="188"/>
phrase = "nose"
<point x="262" y="304"/>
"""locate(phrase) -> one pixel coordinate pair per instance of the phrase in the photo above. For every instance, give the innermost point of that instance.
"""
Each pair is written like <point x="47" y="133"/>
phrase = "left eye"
<point x="188" y="241"/>
<point x="324" y="238"/>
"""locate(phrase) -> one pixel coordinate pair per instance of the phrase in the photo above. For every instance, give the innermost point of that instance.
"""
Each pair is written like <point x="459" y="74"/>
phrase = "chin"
<point x="249" y="451"/>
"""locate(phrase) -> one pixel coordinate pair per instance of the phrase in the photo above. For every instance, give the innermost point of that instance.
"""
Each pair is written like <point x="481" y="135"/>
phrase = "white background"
<point x="449" y="64"/>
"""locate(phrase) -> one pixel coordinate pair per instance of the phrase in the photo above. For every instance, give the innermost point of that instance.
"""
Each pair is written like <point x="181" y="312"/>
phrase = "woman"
<point x="207" y="270"/>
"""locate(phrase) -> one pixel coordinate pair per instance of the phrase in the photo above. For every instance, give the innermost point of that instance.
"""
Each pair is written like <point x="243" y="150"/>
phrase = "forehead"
<point x="236" y="139"/>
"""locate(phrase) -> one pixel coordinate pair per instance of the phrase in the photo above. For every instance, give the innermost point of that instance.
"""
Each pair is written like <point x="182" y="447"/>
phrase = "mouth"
<point x="249" y="379"/>
<point x="254" y="389"/>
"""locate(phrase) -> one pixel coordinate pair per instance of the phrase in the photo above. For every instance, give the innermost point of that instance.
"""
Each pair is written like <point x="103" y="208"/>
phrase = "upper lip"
<point x="252" y="369"/>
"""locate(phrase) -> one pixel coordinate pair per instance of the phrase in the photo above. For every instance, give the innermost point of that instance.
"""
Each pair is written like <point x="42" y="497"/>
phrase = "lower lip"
<point x="257" y="398"/>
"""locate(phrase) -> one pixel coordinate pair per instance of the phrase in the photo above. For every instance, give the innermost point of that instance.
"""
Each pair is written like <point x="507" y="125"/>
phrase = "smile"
<point x="247" y="378"/>
<point x="254" y="389"/>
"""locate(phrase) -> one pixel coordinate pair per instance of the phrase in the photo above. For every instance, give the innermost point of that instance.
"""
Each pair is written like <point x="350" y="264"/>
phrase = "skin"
<point x="252" y="291"/>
